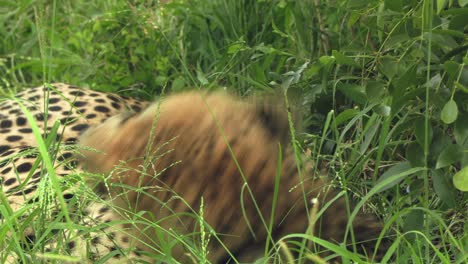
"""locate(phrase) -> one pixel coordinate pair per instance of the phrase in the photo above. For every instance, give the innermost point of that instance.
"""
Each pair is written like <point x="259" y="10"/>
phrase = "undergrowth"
<point x="381" y="85"/>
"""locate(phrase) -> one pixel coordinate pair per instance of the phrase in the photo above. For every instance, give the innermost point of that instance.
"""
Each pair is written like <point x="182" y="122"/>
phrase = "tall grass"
<point x="382" y="86"/>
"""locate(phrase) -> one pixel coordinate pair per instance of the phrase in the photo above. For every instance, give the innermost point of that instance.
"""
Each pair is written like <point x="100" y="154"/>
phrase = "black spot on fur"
<point x="29" y="190"/>
<point x="67" y="120"/>
<point x="4" y="148"/>
<point x="6" y="153"/>
<point x="6" y="124"/>
<point x="54" y="100"/>
<point x="55" y="108"/>
<point x="102" y="109"/>
<point x="91" y="116"/>
<point x="33" y="98"/>
<point x="103" y="210"/>
<point x="5" y="131"/>
<point x="113" y="98"/>
<point x="25" y="167"/>
<point x="99" y="100"/>
<point x="14" y="138"/>
<point x="5" y="107"/>
<point x="135" y="108"/>
<point x="39" y="117"/>
<point x="71" y="245"/>
<point x="116" y="105"/>
<point x="77" y="93"/>
<point x="20" y="121"/>
<point x="80" y="103"/>
<point x="80" y="127"/>
<point x="33" y="200"/>
<point x="64" y="156"/>
<point x="6" y="170"/>
<point x="95" y="241"/>
<point x="25" y="130"/>
<point x="68" y="196"/>
<point x="9" y="182"/>
<point x="14" y="111"/>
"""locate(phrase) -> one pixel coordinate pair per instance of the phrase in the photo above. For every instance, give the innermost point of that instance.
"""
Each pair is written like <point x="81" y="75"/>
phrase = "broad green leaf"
<point x="345" y="116"/>
<point x="444" y="187"/>
<point x="440" y="5"/>
<point x="394" y="170"/>
<point x="375" y="91"/>
<point x="201" y="78"/>
<point x="462" y="3"/>
<point x="415" y="155"/>
<point x="451" y="154"/>
<point x="461" y="129"/>
<point x="237" y="47"/>
<point x="178" y="84"/>
<point x="460" y="179"/>
<point x="388" y="66"/>
<point x="326" y="60"/>
<point x="451" y="68"/>
<point x="449" y="112"/>
<point x="383" y="110"/>
<point x="420" y="132"/>
<point x="354" y="92"/>
<point x="343" y="59"/>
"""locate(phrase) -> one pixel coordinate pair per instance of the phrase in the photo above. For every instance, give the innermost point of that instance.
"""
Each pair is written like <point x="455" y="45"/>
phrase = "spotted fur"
<point x="75" y="109"/>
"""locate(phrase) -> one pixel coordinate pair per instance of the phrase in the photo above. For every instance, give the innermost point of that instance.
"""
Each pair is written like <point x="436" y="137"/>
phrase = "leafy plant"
<point x="381" y="84"/>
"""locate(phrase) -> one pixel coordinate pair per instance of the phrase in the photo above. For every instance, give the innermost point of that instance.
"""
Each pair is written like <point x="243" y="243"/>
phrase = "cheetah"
<point x="201" y="163"/>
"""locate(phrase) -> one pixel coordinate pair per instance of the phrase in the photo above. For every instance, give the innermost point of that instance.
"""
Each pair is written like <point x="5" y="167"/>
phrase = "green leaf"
<point x="449" y="112"/>
<point x="326" y="60"/>
<point x="375" y="91"/>
<point x="440" y="5"/>
<point x="415" y="155"/>
<point x="178" y="84"/>
<point x="343" y="59"/>
<point x="461" y="129"/>
<point x="394" y="170"/>
<point x="345" y="116"/>
<point x="462" y="3"/>
<point x="383" y="110"/>
<point x="451" y="68"/>
<point x="420" y="132"/>
<point x="201" y="77"/>
<point x="354" y="92"/>
<point x="443" y="187"/>
<point x="451" y="154"/>
<point x="460" y="179"/>
<point x="388" y="66"/>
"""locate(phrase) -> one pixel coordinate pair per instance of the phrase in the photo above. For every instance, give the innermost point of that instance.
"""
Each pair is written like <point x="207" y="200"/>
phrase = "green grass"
<point x="376" y="83"/>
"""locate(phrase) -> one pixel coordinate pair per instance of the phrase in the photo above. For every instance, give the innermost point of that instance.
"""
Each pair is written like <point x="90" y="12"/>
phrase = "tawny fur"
<point x="189" y="154"/>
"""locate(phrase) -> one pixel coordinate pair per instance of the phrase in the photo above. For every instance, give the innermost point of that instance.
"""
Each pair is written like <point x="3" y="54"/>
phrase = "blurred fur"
<point x="182" y="146"/>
